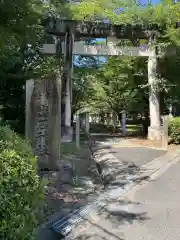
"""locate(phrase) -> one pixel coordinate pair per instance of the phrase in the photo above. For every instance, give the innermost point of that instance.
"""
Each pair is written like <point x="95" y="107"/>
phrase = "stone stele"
<point x="43" y="115"/>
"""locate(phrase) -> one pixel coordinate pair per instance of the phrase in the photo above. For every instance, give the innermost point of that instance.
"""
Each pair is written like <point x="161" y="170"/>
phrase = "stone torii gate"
<point x="70" y="40"/>
<point x="71" y="31"/>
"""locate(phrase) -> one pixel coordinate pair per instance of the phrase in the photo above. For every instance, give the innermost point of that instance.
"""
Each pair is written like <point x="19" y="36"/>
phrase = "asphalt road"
<point x="136" y="155"/>
<point x="144" y="216"/>
<point x="150" y="213"/>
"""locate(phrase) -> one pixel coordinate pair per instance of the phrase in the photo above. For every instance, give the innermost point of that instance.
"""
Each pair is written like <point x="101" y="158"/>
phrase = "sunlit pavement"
<point x="137" y="155"/>
<point x="151" y="212"/>
<point x="134" y="213"/>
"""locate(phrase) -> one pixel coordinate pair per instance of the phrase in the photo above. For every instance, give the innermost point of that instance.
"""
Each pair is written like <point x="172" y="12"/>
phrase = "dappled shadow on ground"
<point x="116" y="211"/>
<point x="137" y="155"/>
<point x="74" y="185"/>
<point x="84" y="185"/>
<point x="118" y="173"/>
<point x="109" y="222"/>
<point x="66" y="192"/>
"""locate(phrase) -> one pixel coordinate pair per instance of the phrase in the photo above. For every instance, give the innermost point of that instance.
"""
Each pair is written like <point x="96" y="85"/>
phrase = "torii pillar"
<point x="154" y="130"/>
<point x="68" y="72"/>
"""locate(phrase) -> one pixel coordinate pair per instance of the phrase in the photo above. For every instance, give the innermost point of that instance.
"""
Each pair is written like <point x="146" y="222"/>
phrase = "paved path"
<point x="105" y="222"/>
<point x="160" y="201"/>
<point x="137" y="155"/>
<point x="149" y="212"/>
<point x="127" y="151"/>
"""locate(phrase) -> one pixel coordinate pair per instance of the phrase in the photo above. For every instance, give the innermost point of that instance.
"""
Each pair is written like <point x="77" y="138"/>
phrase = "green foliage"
<point x="174" y="130"/>
<point x="165" y="14"/>
<point x="19" y="56"/>
<point x="118" y="85"/>
<point x="21" y="191"/>
<point x="18" y="25"/>
<point x="83" y="88"/>
<point x="122" y="83"/>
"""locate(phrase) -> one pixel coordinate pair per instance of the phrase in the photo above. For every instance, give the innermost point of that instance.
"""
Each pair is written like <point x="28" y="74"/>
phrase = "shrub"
<point x="21" y="191"/>
<point x="174" y="130"/>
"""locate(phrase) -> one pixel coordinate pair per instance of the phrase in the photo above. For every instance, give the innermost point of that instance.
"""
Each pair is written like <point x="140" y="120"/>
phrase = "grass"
<point x="132" y="129"/>
<point x="69" y="148"/>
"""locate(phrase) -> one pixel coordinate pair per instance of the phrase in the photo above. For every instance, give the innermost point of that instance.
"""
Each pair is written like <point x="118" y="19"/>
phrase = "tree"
<point x="121" y="79"/>
<point x="166" y="14"/>
<point x="20" y="59"/>
<point x="22" y="34"/>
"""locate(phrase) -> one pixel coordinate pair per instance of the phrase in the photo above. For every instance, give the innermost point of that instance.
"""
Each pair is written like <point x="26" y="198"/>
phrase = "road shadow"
<point x="84" y="186"/>
<point x="118" y="173"/>
<point x="115" y="212"/>
<point x="110" y="221"/>
<point x="138" y="155"/>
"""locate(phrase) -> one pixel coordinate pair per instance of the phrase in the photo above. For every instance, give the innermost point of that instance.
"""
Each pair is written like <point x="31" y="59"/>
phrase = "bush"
<point x="174" y="130"/>
<point x="21" y="191"/>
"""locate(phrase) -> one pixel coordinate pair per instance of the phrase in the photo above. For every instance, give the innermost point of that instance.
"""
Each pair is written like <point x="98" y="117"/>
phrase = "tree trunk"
<point x="114" y="122"/>
<point x="102" y="118"/>
<point x="146" y="123"/>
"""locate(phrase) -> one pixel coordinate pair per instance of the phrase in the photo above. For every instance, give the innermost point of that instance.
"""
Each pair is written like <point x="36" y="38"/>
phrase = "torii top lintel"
<point x="80" y="29"/>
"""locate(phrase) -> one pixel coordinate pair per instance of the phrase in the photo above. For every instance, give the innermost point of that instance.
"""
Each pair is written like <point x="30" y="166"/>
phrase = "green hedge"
<point x="174" y="130"/>
<point x="21" y="191"/>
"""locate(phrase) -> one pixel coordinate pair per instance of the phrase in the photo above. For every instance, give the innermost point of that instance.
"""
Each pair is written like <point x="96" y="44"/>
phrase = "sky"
<point x="146" y="1"/>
